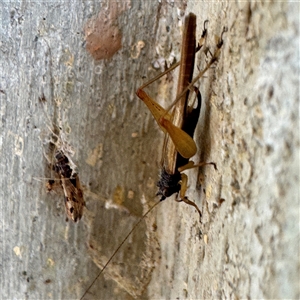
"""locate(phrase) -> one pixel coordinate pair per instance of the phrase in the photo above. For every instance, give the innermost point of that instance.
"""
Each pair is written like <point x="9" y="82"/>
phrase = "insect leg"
<point x="191" y="165"/>
<point x="211" y="62"/>
<point x="184" y="180"/>
<point x="158" y="76"/>
<point x="203" y="37"/>
<point x="184" y="144"/>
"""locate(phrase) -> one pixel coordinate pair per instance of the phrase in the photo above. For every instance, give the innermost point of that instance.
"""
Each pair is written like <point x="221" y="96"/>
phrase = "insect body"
<point x="184" y="117"/>
<point x="179" y="125"/>
<point x="74" y="201"/>
<point x="67" y="176"/>
<point x="65" y="169"/>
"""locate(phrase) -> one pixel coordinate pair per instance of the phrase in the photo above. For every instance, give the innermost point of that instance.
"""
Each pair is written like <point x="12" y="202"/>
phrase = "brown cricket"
<point x="179" y="125"/>
<point x="180" y="120"/>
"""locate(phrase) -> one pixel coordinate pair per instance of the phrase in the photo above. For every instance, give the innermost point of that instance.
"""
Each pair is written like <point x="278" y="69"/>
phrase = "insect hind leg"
<point x="183" y="198"/>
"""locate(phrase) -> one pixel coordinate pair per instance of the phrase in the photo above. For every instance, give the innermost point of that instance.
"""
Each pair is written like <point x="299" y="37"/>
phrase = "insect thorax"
<point x="62" y="166"/>
<point x="168" y="184"/>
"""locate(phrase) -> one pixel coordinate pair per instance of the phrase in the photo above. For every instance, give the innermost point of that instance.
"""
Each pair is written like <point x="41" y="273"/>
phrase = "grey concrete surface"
<point x="247" y="246"/>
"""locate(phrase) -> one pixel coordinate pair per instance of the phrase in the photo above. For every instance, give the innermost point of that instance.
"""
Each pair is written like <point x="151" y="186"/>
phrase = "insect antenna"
<point x="119" y="247"/>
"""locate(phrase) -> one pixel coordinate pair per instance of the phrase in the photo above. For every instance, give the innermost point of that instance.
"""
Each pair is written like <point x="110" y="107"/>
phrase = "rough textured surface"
<point x="247" y="246"/>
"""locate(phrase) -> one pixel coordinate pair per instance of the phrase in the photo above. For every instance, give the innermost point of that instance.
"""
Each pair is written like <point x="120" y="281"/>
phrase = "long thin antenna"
<point x="118" y="248"/>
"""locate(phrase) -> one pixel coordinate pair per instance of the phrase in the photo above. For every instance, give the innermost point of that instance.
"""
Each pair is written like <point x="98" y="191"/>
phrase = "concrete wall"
<point x="77" y="65"/>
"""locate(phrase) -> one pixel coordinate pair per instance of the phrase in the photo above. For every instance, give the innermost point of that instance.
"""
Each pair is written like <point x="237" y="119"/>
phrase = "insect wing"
<point x="179" y="140"/>
<point x="74" y="202"/>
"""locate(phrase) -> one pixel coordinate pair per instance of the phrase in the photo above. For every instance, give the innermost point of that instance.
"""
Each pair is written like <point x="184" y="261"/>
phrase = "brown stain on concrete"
<point x="102" y="34"/>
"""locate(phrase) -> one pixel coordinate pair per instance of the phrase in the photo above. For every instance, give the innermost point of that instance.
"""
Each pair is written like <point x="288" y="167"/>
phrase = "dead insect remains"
<point x="74" y="202"/>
